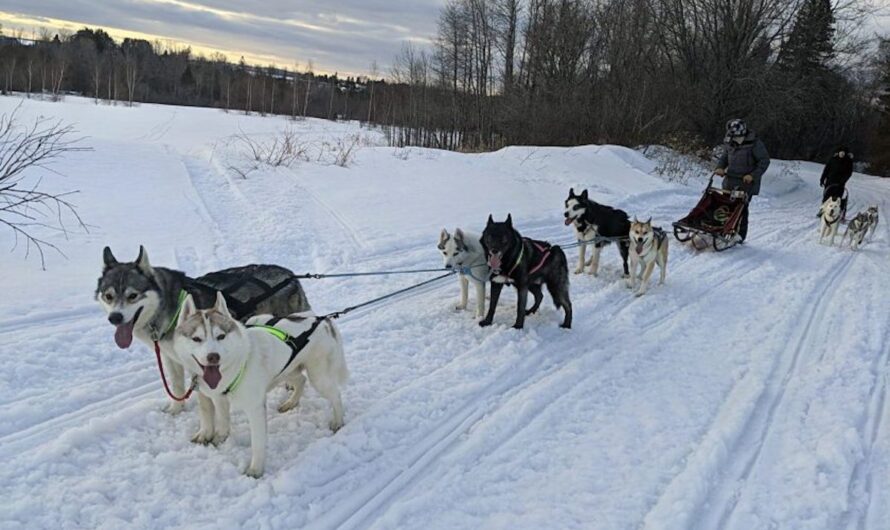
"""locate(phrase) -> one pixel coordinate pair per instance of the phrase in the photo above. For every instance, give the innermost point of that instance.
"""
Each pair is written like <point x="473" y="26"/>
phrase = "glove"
<point x="720" y="172"/>
<point x="748" y="179"/>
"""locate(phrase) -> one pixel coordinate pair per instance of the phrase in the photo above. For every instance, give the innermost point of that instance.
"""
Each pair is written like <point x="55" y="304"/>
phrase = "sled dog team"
<point x="242" y="331"/>
<point x="864" y="223"/>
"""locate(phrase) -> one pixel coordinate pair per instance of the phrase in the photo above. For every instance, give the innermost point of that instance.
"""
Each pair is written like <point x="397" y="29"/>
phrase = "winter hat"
<point x="736" y="127"/>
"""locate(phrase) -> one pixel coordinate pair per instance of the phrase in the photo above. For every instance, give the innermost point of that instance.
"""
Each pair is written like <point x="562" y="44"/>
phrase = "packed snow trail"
<point x="749" y="391"/>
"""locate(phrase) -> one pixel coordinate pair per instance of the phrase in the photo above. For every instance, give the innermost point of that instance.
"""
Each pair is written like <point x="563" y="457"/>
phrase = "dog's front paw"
<point x="485" y="322"/>
<point x="202" y="437"/>
<point x="579" y="270"/>
<point x="518" y="325"/>
<point x="288" y="405"/>
<point x="335" y="425"/>
<point x="219" y="438"/>
<point x="174" y="407"/>
<point x="253" y="472"/>
<point x="639" y="293"/>
<point x="460" y="307"/>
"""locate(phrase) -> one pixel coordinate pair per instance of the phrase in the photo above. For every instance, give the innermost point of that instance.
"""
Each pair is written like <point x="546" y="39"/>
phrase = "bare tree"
<point x="24" y="207"/>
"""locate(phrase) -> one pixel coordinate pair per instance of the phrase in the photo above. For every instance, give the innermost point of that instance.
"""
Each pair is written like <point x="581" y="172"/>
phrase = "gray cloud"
<point x="346" y="35"/>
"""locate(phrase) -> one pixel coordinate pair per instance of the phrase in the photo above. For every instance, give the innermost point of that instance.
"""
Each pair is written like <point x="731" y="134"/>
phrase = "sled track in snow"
<point x="527" y="375"/>
<point x="716" y="506"/>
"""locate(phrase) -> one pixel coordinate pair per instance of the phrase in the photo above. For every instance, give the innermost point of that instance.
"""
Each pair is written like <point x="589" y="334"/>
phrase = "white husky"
<point x="648" y="247"/>
<point x="831" y="218"/>
<point x="464" y="252"/>
<point x="238" y="364"/>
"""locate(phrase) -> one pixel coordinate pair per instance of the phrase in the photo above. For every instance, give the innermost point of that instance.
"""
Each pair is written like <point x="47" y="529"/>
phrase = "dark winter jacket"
<point x="837" y="171"/>
<point x="748" y="158"/>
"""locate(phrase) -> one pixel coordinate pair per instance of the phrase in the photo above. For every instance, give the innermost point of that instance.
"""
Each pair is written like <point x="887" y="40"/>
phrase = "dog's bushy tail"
<point x="560" y="282"/>
<point x="337" y="359"/>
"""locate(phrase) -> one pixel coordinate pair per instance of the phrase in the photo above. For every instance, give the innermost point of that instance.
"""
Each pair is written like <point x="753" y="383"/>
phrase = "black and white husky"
<point x="463" y="251"/>
<point x="593" y="221"/>
<point x="527" y="264"/>
<point x="648" y="247"/>
<point x="239" y="364"/>
<point x="143" y="301"/>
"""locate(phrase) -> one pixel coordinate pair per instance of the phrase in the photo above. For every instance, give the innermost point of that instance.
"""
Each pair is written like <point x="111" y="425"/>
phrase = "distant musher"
<point x="834" y="178"/>
<point x="742" y="164"/>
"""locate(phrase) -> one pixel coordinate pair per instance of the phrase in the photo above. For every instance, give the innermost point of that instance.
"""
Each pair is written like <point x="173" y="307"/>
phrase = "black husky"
<point x="592" y="220"/>
<point x="526" y="264"/>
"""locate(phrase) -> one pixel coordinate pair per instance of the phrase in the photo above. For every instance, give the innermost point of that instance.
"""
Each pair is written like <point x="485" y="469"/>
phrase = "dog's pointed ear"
<point x="649" y="221"/>
<point x="571" y="192"/>
<point x="490" y="221"/>
<point x="142" y="261"/>
<point x="635" y="220"/>
<point x="443" y="238"/>
<point x="584" y="195"/>
<point x="459" y="238"/>
<point x="108" y="258"/>
<point x="188" y="309"/>
<point x="220" y="306"/>
<point x="509" y="221"/>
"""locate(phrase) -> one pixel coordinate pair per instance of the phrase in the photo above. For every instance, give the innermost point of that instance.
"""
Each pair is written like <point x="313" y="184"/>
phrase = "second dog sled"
<point x="717" y="217"/>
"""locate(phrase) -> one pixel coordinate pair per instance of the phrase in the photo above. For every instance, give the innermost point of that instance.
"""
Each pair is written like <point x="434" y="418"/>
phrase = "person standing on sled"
<point x="742" y="164"/>
<point x="834" y="178"/>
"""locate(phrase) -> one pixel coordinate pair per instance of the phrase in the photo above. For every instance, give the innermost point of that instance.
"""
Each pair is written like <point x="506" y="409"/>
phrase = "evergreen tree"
<point x="810" y="43"/>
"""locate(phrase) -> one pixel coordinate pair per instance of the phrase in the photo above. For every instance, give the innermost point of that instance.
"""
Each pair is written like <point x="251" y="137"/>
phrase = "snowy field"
<point x="748" y="392"/>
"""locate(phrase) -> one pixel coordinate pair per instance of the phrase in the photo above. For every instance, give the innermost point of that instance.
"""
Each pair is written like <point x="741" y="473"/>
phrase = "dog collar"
<point x="179" y="304"/>
<point x="235" y="382"/>
<point x="518" y="259"/>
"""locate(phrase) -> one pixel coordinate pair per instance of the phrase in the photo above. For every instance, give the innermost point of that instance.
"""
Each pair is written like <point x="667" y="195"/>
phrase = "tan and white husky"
<point x="237" y="364"/>
<point x="648" y="247"/>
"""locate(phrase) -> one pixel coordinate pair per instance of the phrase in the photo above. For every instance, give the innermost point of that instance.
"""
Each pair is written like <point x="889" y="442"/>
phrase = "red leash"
<point x="164" y="377"/>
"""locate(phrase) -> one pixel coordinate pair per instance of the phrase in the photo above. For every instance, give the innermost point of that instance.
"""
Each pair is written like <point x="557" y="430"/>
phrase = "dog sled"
<point x="716" y="217"/>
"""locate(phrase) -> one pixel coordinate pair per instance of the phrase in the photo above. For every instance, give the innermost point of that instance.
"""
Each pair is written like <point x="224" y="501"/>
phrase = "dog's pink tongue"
<point x="123" y="335"/>
<point x="212" y="375"/>
<point x="568" y="221"/>
<point x="494" y="262"/>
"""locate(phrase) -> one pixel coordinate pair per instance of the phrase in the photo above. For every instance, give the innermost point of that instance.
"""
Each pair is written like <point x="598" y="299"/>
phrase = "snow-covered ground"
<point x="748" y="392"/>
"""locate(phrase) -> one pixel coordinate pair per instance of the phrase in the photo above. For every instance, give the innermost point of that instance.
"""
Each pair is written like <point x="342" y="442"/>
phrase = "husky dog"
<point x="142" y="301"/>
<point x="648" y="246"/>
<point x="526" y="264"/>
<point x="238" y="364"/>
<point x="463" y="251"/>
<point x="872" y="213"/>
<point x="831" y="217"/>
<point x="591" y="220"/>
<point x="856" y="229"/>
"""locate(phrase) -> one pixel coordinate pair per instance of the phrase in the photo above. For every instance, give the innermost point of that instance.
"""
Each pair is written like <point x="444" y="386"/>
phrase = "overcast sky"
<point x="337" y="35"/>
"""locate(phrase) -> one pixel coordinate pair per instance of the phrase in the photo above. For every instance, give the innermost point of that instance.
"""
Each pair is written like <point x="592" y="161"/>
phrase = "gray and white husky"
<point x="648" y="247"/>
<point x="856" y="229"/>
<point x="872" y="213"/>
<point x="143" y="301"/>
<point x="463" y="251"/>
<point x="239" y="364"/>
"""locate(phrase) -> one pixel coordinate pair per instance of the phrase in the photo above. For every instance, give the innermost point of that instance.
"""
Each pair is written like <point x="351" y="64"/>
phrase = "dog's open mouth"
<point x="211" y="375"/>
<point x="123" y="333"/>
<point x="494" y="261"/>
<point x="640" y="247"/>
<point x="569" y="221"/>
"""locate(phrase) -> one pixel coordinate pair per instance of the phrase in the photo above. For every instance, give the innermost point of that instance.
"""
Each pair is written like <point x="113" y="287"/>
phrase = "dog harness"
<point x="544" y="248"/>
<point x="296" y="344"/>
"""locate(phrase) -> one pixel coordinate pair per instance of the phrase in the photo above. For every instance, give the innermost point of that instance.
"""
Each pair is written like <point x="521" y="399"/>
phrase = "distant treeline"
<point x="544" y="72"/>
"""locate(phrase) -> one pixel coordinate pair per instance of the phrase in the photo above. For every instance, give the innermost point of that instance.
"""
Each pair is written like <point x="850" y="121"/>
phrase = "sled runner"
<point x="716" y="216"/>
